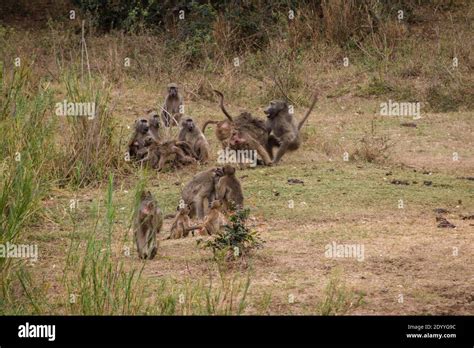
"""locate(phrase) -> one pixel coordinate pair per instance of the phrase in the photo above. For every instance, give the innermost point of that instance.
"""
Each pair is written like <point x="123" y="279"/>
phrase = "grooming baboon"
<point x="159" y="153"/>
<point x="172" y="107"/>
<point x="243" y="132"/>
<point x="213" y="222"/>
<point x="180" y="226"/>
<point x="147" y="224"/>
<point x="283" y="129"/>
<point x="229" y="190"/>
<point x="155" y="124"/>
<point x="200" y="191"/>
<point x="137" y="141"/>
<point x="193" y="135"/>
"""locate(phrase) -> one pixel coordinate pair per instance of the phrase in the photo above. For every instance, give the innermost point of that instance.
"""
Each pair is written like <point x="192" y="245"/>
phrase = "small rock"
<point x="443" y="223"/>
<point x="427" y="183"/>
<point x="440" y="211"/>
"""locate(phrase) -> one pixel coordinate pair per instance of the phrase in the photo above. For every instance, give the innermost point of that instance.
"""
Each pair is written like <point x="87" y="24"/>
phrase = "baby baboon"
<point x="137" y="141"/>
<point x="193" y="135"/>
<point x="180" y="226"/>
<point x="223" y="131"/>
<point x="285" y="132"/>
<point x="229" y="190"/>
<point x="155" y="124"/>
<point x="173" y="106"/>
<point x="213" y="222"/>
<point x="147" y="224"/>
<point x="201" y="189"/>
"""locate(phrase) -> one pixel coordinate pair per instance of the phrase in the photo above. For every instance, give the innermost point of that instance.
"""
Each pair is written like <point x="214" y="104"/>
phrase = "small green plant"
<point x="236" y="240"/>
<point x="338" y="299"/>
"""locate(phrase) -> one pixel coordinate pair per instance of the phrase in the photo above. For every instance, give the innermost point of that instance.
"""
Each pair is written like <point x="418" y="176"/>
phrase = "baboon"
<point x="137" y="141"/>
<point x="148" y="224"/>
<point x="193" y="135"/>
<point x="213" y="222"/>
<point x="283" y="129"/>
<point x="172" y="107"/>
<point x="155" y="124"/>
<point x="159" y="153"/>
<point x="201" y="188"/>
<point x="245" y="132"/>
<point x="180" y="226"/>
<point x="229" y="190"/>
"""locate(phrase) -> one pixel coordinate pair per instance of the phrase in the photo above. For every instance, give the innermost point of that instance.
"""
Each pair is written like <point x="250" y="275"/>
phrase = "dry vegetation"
<point x="84" y="266"/>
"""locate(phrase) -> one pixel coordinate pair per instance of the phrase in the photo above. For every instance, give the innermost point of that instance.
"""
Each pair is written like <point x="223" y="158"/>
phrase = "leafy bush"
<point x="236" y="240"/>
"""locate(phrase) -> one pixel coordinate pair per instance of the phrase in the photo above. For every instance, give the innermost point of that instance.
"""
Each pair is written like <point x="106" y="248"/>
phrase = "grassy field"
<point x="382" y="198"/>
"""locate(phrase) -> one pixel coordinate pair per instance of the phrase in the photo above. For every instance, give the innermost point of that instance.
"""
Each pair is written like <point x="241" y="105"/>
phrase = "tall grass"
<point x="26" y="147"/>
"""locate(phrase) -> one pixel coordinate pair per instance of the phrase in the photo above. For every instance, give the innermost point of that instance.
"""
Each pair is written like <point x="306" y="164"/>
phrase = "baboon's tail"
<point x="315" y="99"/>
<point x="221" y="103"/>
<point x="208" y="123"/>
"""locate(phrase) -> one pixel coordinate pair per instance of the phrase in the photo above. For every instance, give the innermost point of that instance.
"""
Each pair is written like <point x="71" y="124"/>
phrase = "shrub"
<point x="236" y="240"/>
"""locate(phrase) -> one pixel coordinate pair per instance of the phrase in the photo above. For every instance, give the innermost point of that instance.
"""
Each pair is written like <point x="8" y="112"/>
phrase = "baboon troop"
<point x="148" y="223"/>
<point x="214" y="192"/>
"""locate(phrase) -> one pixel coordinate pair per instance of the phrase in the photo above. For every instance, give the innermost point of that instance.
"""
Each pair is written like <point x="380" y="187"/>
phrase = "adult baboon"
<point x="137" y="141"/>
<point x="213" y="222"/>
<point x="193" y="135"/>
<point x="200" y="191"/>
<point x="283" y="129"/>
<point x="229" y="190"/>
<point x="148" y="223"/>
<point x="172" y="107"/>
<point x="180" y="226"/>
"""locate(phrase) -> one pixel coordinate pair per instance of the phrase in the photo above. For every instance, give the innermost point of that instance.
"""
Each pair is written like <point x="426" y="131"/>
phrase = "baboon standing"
<point x="283" y="129"/>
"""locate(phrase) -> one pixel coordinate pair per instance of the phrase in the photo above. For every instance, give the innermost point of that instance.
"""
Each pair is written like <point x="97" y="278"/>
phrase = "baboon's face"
<point x="155" y="120"/>
<point x="173" y="91"/>
<point x="229" y="170"/>
<point x="275" y="107"/>
<point x="142" y="126"/>
<point x="236" y="139"/>
<point x="189" y="125"/>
